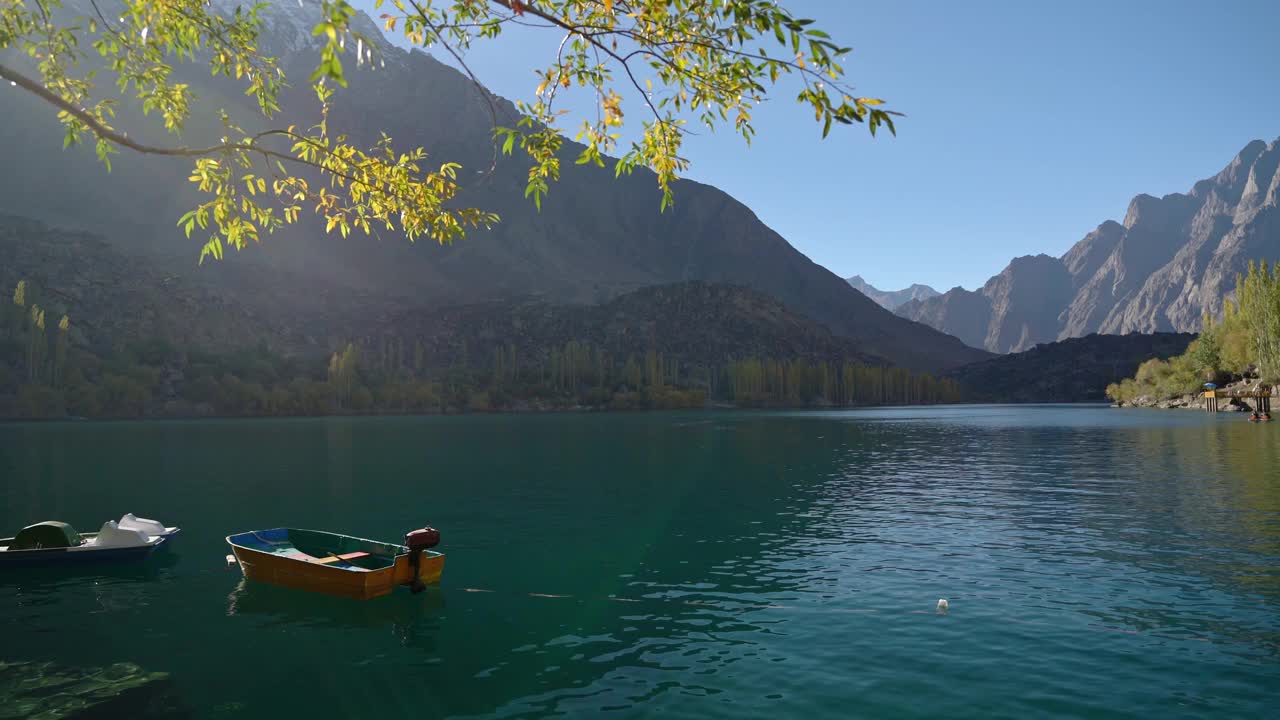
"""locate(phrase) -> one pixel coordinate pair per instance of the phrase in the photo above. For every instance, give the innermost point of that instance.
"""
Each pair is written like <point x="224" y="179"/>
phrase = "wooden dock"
<point x="1262" y="396"/>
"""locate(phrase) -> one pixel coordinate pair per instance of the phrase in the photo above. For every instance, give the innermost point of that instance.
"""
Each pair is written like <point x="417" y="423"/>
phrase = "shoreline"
<point x="719" y="407"/>
<point x="1196" y="400"/>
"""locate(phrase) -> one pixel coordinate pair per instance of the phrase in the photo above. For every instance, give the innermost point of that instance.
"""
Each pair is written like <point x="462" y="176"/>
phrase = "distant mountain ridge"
<point x="1172" y="260"/>
<point x="594" y="238"/>
<point x="891" y="299"/>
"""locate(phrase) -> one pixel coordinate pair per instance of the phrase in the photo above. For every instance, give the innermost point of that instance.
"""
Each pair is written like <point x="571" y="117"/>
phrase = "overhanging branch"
<point x="113" y="136"/>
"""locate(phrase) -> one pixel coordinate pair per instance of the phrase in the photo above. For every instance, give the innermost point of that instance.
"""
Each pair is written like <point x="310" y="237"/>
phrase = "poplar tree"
<point x="1259" y="297"/>
<point x="60" y="351"/>
<point x="19" y="309"/>
<point x="37" y="345"/>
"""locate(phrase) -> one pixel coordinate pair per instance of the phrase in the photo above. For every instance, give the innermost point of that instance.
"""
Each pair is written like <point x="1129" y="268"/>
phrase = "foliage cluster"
<point x="709" y="63"/>
<point x="1246" y="342"/>
<point x="755" y="383"/>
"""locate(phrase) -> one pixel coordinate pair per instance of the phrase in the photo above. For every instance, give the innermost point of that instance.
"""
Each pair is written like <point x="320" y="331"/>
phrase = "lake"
<point x="1097" y="562"/>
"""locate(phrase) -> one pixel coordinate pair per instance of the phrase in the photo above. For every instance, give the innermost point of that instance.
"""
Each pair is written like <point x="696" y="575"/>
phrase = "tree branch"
<point x="118" y="138"/>
<point x="103" y="131"/>
<point x="483" y="92"/>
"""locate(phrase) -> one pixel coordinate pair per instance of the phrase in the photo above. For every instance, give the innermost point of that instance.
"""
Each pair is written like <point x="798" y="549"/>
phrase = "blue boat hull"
<point x="168" y="539"/>
<point x="64" y="556"/>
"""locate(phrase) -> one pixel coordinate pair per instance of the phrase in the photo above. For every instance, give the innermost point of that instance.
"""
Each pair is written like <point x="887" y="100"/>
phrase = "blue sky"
<point x="1028" y="124"/>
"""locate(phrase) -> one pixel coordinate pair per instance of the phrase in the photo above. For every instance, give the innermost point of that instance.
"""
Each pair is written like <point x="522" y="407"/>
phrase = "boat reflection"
<point x="158" y="566"/>
<point x="411" y="617"/>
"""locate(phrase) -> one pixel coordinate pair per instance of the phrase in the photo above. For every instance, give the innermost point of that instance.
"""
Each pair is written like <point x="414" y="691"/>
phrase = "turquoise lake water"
<point x="1098" y="563"/>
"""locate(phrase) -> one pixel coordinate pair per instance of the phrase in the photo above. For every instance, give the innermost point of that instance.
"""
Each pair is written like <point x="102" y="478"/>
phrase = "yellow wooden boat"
<point x="336" y="564"/>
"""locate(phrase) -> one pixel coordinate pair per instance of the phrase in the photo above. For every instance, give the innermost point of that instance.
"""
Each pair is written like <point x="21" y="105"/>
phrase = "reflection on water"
<point x="687" y="565"/>
<point x="405" y="616"/>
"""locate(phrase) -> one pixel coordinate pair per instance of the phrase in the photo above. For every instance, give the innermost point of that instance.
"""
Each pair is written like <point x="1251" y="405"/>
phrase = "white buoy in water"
<point x="942" y="605"/>
<point x="231" y="560"/>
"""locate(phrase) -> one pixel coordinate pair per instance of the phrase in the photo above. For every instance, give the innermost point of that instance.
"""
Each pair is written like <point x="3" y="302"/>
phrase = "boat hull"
<point x="67" y="556"/>
<point x="314" y="576"/>
<point x="170" y="534"/>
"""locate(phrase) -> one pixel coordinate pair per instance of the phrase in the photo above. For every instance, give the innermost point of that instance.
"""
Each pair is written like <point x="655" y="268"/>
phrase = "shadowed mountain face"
<point x="1172" y="260"/>
<point x="695" y="323"/>
<point x="113" y="297"/>
<point x="595" y="237"/>
<point x="891" y="299"/>
<point x="1075" y="370"/>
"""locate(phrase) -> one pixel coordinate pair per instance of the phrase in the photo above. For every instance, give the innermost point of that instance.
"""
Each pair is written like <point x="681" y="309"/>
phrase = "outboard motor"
<point x="417" y="541"/>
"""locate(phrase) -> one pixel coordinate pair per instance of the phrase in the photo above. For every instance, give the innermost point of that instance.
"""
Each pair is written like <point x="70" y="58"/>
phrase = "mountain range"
<point x="1172" y="260"/>
<point x="891" y="299"/>
<point x="111" y="296"/>
<point x="594" y="239"/>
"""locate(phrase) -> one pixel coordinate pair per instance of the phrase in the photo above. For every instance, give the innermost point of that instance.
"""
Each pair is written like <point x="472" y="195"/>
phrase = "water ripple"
<point x="1097" y="563"/>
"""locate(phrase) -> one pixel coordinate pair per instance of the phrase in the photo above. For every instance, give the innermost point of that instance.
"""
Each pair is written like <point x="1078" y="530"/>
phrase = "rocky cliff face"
<point x="1014" y="311"/>
<point x="595" y="237"/>
<point x="891" y="299"/>
<point x="1171" y="260"/>
<point x="965" y="314"/>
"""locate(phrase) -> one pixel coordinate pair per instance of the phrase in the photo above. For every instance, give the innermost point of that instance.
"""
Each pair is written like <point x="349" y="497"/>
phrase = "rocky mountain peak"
<point x="1139" y="206"/>
<point x="1230" y="182"/>
<point x="1173" y="259"/>
<point x="287" y="26"/>
<point x="1085" y="257"/>
<point x="1262" y="178"/>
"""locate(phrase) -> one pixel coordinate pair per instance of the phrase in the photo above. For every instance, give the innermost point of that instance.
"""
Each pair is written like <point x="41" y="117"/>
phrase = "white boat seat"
<point x="150" y="527"/>
<point x="112" y="535"/>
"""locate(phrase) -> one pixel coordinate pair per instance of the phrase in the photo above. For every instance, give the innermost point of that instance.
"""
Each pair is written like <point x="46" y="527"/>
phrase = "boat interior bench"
<point x="295" y="554"/>
<point x="345" y="556"/>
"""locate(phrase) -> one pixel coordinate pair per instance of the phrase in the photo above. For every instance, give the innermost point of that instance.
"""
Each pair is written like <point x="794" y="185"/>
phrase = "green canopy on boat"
<point x="48" y="534"/>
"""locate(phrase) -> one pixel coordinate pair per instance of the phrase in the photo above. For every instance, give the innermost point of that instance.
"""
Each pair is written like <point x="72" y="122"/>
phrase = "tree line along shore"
<point x="44" y="375"/>
<point x="1240" y="351"/>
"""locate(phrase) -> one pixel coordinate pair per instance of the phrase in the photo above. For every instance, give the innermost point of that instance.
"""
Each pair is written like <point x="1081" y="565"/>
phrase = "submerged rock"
<point x="48" y="691"/>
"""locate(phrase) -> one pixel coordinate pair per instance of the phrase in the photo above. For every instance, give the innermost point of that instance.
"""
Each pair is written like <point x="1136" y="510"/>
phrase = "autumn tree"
<point x="37" y="344"/>
<point x="683" y="63"/>
<point x="59" y="367"/>
<point x="14" y="314"/>
<point x="342" y="370"/>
